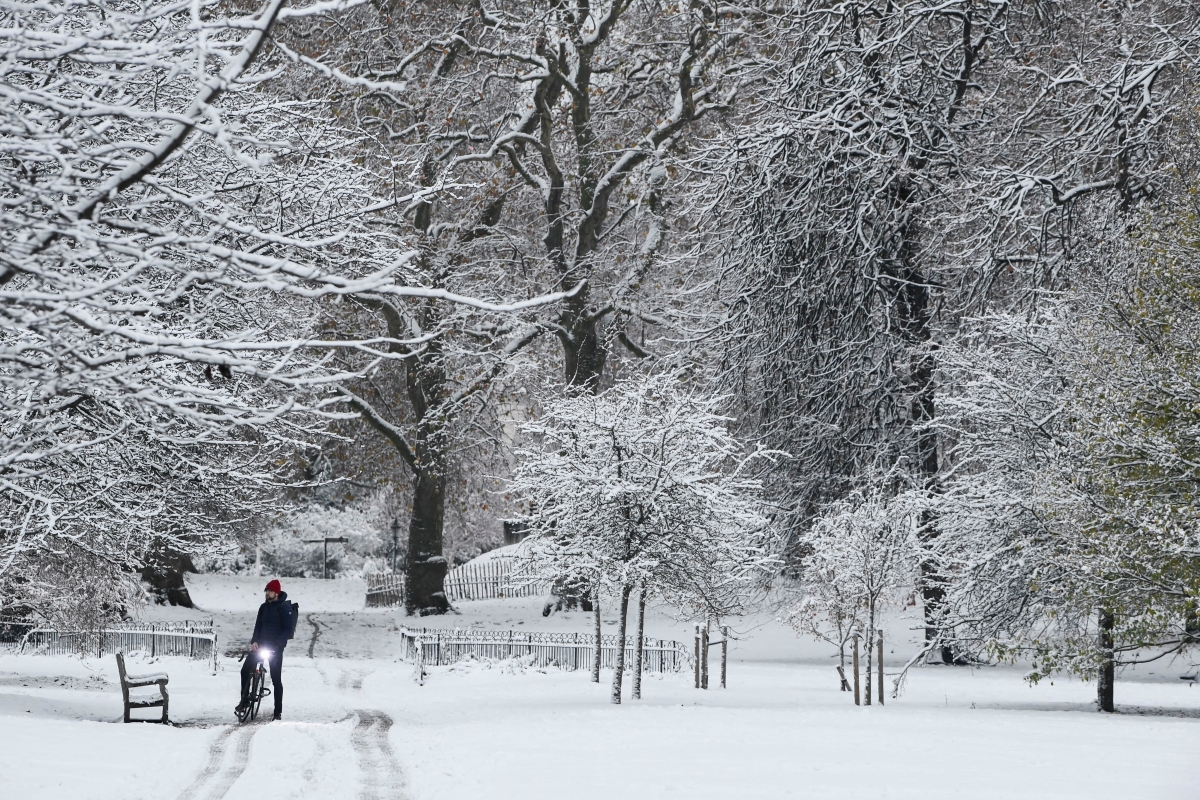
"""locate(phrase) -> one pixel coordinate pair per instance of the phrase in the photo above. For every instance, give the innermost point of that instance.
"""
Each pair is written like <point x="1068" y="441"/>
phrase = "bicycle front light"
<point x="265" y="655"/>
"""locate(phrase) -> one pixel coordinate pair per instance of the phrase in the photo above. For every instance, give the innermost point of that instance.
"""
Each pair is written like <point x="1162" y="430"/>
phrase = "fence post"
<point x="856" y="691"/>
<point x="420" y="659"/>
<point x="879" y="658"/>
<point x="696" y="651"/>
<point x="704" y="655"/>
<point x="724" y="652"/>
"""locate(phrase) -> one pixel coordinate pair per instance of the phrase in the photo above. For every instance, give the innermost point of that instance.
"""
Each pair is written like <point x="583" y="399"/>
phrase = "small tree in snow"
<point x="643" y="486"/>
<point x="860" y="555"/>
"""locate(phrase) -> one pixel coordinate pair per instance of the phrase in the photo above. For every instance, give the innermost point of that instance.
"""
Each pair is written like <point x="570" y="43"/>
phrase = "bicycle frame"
<point x="258" y="685"/>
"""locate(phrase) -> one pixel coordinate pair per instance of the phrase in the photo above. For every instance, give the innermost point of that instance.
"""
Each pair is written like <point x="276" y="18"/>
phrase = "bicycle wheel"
<point x="256" y="686"/>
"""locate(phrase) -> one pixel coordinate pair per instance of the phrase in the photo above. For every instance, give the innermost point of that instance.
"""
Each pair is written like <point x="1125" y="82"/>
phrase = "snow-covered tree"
<point x="860" y="558"/>
<point x="909" y="164"/>
<point x="172" y="220"/>
<point x="644" y="486"/>
<point x="554" y="131"/>
<point x="1069" y="520"/>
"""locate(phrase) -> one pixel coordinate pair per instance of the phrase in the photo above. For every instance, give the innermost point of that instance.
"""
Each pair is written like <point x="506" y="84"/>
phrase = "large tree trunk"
<point x="619" y="667"/>
<point x="913" y="309"/>
<point x="933" y="586"/>
<point x="1106" y="676"/>
<point x="584" y="354"/>
<point x="425" y="567"/>
<point x="163" y="573"/>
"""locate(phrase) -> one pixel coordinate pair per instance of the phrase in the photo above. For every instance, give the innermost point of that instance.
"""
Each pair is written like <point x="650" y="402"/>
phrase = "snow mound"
<point x="507" y="551"/>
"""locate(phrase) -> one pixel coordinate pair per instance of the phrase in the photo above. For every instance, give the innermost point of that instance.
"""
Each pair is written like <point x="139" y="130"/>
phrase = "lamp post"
<point x="395" y="542"/>
<point x="327" y="540"/>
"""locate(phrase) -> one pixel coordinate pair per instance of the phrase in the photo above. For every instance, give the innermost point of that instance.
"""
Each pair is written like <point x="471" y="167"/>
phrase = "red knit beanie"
<point x="274" y="586"/>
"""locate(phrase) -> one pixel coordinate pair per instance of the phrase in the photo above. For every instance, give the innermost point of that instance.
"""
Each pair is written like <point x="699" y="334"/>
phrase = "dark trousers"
<point x="275" y="664"/>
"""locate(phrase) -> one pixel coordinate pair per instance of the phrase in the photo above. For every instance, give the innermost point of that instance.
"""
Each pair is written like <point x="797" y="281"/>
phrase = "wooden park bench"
<point x="142" y="700"/>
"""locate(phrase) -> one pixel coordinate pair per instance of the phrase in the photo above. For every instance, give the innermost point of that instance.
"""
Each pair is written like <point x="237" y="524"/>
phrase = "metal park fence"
<point x="486" y="580"/>
<point x="426" y="647"/>
<point x="195" y="640"/>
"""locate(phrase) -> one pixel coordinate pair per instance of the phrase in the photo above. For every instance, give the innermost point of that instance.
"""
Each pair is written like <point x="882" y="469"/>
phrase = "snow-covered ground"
<point x="357" y="725"/>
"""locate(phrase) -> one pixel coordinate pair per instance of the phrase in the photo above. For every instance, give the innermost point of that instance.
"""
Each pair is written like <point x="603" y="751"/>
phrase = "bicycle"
<point x="258" y="686"/>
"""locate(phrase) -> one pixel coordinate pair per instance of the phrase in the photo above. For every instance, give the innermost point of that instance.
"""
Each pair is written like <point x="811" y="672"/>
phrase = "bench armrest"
<point x="145" y="680"/>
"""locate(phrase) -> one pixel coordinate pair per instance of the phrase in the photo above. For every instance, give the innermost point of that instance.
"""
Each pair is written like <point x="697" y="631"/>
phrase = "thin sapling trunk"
<point x="619" y="670"/>
<point x="596" y="655"/>
<point x="639" y="646"/>
<point x="870" y="653"/>
<point x="1107" y="673"/>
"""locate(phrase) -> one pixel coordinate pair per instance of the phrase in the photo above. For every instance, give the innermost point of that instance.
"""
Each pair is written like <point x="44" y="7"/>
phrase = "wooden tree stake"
<point x="857" y="697"/>
<point x="724" y="653"/>
<point x="879" y="658"/>
<point x="596" y="655"/>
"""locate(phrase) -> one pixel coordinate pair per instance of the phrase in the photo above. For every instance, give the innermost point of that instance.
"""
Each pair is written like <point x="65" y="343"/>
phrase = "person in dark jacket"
<point x="271" y="631"/>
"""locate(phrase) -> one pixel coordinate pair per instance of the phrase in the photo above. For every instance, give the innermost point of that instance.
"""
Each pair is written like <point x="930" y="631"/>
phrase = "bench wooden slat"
<point x="147" y="703"/>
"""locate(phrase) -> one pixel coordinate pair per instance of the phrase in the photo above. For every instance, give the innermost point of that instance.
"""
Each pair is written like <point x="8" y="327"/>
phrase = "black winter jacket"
<point x="274" y="622"/>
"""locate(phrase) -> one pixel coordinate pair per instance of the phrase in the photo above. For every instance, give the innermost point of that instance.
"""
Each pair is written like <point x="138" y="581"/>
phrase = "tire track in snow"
<point x="241" y="755"/>
<point x="351" y="679"/>
<point x="216" y="754"/>
<point x="310" y="770"/>
<point x="316" y="634"/>
<point x="381" y="774"/>
<point x="217" y="782"/>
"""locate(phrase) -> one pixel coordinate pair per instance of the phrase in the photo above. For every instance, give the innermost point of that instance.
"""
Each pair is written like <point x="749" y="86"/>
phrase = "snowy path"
<point x="502" y="733"/>
<point x="231" y="752"/>
<point x="381" y="772"/>
<point x="356" y="726"/>
<point x="214" y="781"/>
